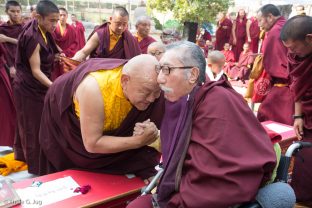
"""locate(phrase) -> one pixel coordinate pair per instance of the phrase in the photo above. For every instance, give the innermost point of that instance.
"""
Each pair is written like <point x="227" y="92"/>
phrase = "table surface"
<point x="104" y="187"/>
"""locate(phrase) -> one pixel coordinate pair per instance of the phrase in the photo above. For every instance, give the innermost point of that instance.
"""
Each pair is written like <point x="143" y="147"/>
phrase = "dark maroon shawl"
<point x="29" y="92"/>
<point x="7" y="108"/>
<point x="60" y="134"/>
<point x="210" y="149"/>
<point x="144" y="43"/>
<point x="11" y="31"/>
<point x="223" y="35"/>
<point x="126" y="47"/>
<point x="67" y="42"/>
<point x="80" y="30"/>
<point x="301" y="87"/>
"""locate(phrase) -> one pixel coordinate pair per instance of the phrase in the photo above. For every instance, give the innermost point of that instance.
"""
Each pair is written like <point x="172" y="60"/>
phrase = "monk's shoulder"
<point x="88" y="85"/>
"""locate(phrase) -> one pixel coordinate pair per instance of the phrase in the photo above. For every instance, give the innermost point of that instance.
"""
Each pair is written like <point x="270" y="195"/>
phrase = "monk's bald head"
<point x="297" y="28"/>
<point x="141" y="67"/>
<point x="120" y="11"/>
<point x="139" y="81"/>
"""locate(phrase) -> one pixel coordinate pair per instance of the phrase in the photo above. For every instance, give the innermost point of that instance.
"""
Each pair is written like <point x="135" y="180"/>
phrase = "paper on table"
<point x="278" y="128"/>
<point x="48" y="192"/>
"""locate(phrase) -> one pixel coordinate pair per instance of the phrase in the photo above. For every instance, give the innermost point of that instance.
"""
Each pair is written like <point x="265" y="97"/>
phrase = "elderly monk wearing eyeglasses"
<point x="90" y="113"/>
<point x="212" y="155"/>
<point x="111" y="40"/>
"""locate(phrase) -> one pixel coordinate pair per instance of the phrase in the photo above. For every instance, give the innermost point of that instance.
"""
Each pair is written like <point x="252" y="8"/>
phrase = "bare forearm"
<point x="298" y="108"/>
<point x="42" y="78"/>
<point x="112" y="144"/>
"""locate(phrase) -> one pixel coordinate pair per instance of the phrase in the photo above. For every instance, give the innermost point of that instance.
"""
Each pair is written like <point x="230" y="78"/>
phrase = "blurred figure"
<point x="143" y="27"/>
<point x="229" y="58"/>
<point x="223" y="32"/>
<point x="239" y="33"/>
<point x="300" y="10"/>
<point x="9" y="32"/>
<point x="215" y="63"/>
<point x="33" y="11"/>
<point x="253" y="32"/>
<point x="156" y="49"/>
<point x="278" y="105"/>
<point x="297" y="37"/>
<point x="80" y="30"/>
<point x="111" y="39"/>
<point x="242" y="68"/>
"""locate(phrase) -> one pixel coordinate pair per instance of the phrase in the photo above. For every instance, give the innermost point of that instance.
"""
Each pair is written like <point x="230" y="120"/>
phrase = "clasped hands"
<point x="146" y="131"/>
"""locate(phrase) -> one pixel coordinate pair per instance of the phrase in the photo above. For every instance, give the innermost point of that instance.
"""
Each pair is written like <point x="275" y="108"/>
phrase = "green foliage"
<point x="173" y="24"/>
<point x="158" y="26"/>
<point x="191" y="10"/>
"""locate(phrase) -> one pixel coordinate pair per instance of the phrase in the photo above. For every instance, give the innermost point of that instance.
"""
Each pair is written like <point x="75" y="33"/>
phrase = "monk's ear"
<point x="124" y="80"/>
<point x="194" y="75"/>
<point x="308" y="38"/>
<point x="110" y="19"/>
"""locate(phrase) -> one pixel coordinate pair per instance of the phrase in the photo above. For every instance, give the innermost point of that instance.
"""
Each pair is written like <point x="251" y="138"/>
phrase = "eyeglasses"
<point x="156" y="53"/>
<point x="166" y="69"/>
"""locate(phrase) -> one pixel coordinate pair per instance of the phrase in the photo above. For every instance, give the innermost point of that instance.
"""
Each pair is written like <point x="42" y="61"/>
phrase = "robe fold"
<point x="241" y="36"/>
<point x="60" y="134"/>
<point x="145" y="42"/>
<point x="223" y="33"/>
<point x="278" y="105"/>
<point x="126" y="47"/>
<point x="80" y="30"/>
<point x="7" y="107"/>
<point x="301" y="87"/>
<point x="241" y="70"/>
<point x="11" y="31"/>
<point x="207" y="146"/>
<point x="29" y="92"/>
<point x="68" y="41"/>
<point x="254" y="32"/>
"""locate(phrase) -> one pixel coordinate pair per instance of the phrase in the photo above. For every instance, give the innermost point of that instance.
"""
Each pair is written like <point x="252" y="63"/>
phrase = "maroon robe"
<point x="207" y="153"/>
<point x="60" y="134"/>
<point x="254" y="32"/>
<point x="241" y="70"/>
<point x="68" y="42"/>
<point x="126" y="47"/>
<point x="7" y="108"/>
<point x="278" y="105"/>
<point x="29" y="92"/>
<point x="301" y="87"/>
<point x="229" y="60"/>
<point x="11" y="31"/>
<point x="223" y="34"/>
<point x="80" y="30"/>
<point x="145" y="42"/>
<point x="240" y="33"/>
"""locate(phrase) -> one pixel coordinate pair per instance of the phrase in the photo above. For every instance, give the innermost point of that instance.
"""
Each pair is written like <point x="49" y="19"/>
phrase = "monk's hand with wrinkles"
<point x="298" y="127"/>
<point x="146" y="132"/>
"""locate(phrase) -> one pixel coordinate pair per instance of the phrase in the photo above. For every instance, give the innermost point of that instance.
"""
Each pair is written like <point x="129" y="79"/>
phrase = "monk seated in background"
<point x="90" y="113"/>
<point x="229" y="57"/>
<point x="241" y="70"/>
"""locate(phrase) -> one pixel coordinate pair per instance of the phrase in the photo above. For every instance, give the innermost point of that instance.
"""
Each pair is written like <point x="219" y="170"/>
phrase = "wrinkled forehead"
<point x="144" y="22"/>
<point x="170" y="58"/>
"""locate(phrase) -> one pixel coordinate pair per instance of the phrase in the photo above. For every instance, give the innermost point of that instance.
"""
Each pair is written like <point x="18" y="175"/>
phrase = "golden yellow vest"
<point x="116" y="106"/>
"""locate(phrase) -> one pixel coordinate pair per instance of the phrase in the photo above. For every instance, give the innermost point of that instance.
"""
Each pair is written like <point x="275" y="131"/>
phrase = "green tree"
<point x="191" y="10"/>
